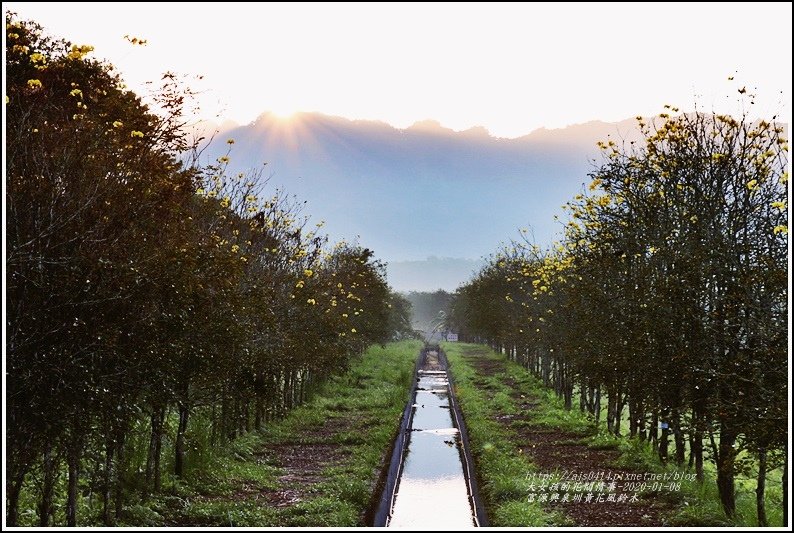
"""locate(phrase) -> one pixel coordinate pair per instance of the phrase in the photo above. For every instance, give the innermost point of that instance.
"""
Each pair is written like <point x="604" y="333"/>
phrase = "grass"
<point x="504" y="472"/>
<point x="234" y="485"/>
<point x="371" y="396"/>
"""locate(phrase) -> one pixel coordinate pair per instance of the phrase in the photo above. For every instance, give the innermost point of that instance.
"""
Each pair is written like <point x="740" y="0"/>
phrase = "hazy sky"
<point x="510" y="68"/>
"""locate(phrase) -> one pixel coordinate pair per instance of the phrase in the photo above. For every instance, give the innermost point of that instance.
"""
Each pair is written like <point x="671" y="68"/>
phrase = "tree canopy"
<point x="668" y="294"/>
<point x="145" y="290"/>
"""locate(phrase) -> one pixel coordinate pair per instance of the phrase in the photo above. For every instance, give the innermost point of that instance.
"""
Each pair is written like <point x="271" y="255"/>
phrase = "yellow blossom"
<point x="308" y="272"/>
<point x="235" y="248"/>
<point x="353" y="330"/>
<point x="752" y="184"/>
<point x="136" y="133"/>
<point x="76" y="92"/>
<point x="299" y="285"/>
<point x="78" y="52"/>
<point x="311" y="301"/>
<point x="780" y="229"/>
<point x="34" y="84"/>
<point x="223" y="159"/>
<point x="117" y="123"/>
<point x="779" y="205"/>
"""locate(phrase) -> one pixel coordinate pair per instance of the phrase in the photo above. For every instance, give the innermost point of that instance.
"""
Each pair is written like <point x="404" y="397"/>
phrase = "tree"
<point x="146" y="289"/>
<point x="668" y="293"/>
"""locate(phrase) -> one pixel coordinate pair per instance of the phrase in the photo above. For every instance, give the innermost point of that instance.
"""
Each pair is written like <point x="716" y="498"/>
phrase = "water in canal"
<point x="432" y="491"/>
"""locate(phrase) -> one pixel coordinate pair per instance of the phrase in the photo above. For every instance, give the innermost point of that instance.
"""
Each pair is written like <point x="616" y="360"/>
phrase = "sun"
<point x="283" y="112"/>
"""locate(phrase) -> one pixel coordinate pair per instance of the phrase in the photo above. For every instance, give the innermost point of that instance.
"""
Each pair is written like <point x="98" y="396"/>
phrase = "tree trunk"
<point x="698" y="420"/>
<point x="760" y="489"/>
<point x="784" y="484"/>
<point x="597" y="405"/>
<point x="257" y="413"/>
<point x="697" y="452"/>
<point x="214" y="425"/>
<point x="619" y="404"/>
<point x="247" y="414"/>
<point x="285" y="394"/>
<point x="118" y="480"/>
<point x="678" y="435"/>
<point x="303" y="388"/>
<point x="14" y="488"/>
<point x="49" y="470"/>
<point x="225" y="417"/>
<point x="725" y="469"/>
<point x="567" y="384"/>
<point x="610" y="411"/>
<point x="107" y="484"/>
<point x="633" y="417"/>
<point x="235" y="420"/>
<point x="653" y="429"/>
<point x="153" y="455"/>
<point x="663" y="443"/>
<point x="73" y="461"/>
<point x="179" y="459"/>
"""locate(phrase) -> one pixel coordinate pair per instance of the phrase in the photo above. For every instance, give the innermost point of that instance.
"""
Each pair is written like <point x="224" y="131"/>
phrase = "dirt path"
<point x="556" y="450"/>
<point x="299" y="461"/>
<point x="302" y="461"/>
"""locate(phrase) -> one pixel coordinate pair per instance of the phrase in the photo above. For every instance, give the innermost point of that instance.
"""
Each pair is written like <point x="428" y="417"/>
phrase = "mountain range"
<point x="423" y="191"/>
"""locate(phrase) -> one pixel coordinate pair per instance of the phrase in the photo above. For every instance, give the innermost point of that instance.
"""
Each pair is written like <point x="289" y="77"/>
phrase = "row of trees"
<point x="428" y="308"/>
<point x="666" y="298"/>
<point x="144" y="289"/>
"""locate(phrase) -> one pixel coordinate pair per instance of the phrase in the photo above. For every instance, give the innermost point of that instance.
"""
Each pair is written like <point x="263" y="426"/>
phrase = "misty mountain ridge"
<point x="421" y="191"/>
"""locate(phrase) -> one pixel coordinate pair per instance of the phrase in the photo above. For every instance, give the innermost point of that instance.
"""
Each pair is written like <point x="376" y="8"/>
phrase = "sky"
<point x="510" y="68"/>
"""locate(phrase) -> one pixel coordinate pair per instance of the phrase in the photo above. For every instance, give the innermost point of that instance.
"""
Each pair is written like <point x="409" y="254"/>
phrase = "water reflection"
<point x="431" y="411"/>
<point x="432" y="492"/>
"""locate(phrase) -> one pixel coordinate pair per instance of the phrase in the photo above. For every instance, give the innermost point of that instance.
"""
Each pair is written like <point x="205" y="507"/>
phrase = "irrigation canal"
<point x="431" y="482"/>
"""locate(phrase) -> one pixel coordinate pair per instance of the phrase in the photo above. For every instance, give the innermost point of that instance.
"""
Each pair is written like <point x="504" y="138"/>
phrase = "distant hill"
<point x="421" y="191"/>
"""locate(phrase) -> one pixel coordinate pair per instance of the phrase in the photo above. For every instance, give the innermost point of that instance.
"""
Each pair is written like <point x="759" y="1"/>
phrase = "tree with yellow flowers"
<point x="157" y="307"/>
<point x="667" y="296"/>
